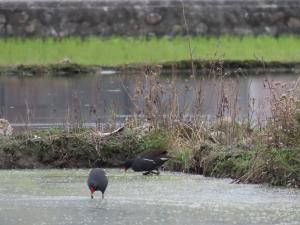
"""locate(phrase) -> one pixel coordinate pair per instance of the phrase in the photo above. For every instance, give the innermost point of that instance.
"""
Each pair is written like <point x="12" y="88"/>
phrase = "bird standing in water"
<point x="97" y="181"/>
<point x="147" y="161"/>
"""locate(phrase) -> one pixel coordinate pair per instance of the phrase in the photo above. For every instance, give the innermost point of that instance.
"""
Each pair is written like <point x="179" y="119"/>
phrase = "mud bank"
<point x="201" y="67"/>
<point x="53" y="69"/>
<point x="86" y="149"/>
<point x="65" y="150"/>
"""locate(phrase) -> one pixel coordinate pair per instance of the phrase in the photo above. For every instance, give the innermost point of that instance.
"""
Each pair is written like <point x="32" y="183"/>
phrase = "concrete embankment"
<point x="55" y="18"/>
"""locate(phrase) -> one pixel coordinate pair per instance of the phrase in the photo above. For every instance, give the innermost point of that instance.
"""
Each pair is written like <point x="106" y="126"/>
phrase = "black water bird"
<point x="147" y="161"/>
<point x="97" y="181"/>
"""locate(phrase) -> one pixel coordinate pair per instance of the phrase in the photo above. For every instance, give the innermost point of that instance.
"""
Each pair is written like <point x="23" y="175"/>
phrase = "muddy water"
<point x="44" y="197"/>
<point x="50" y="101"/>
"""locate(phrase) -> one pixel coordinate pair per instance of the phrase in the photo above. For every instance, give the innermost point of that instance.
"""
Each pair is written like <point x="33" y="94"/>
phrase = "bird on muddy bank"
<point x="147" y="161"/>
<point x="97" y="181"/>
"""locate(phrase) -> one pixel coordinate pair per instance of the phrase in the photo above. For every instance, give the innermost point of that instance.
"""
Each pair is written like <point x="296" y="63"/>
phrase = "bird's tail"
<point x="166" y="157"/>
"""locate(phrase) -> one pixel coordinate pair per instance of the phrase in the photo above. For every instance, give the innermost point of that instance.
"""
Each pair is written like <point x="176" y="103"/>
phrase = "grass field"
<point x="117" y="50"/>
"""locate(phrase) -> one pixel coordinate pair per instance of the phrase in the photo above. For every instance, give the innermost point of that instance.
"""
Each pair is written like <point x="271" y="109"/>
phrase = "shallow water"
<point x="47" y="101"/>
<point x="44" y="197"/>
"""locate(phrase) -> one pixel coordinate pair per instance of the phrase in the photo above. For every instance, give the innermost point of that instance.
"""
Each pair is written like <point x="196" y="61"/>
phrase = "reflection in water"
<point x="47" y="100"/>
<point x="51" y="197"/>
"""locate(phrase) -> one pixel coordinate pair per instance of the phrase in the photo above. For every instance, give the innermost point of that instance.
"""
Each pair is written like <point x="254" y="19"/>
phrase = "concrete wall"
<point x="138" y="17"/>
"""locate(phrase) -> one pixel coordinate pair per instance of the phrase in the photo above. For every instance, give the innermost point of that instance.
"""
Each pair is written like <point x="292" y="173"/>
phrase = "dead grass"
<point x="253" y="149"/>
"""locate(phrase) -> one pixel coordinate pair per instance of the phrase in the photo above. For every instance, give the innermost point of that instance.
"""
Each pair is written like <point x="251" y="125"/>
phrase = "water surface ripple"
<point x="61" y="197"/>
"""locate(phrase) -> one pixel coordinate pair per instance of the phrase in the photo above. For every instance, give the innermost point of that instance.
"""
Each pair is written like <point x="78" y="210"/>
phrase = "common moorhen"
<point x="97" y="181"/>
<point x="147" y="161"/>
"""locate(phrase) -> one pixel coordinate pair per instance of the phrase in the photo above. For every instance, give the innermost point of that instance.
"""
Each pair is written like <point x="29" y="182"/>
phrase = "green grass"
<point x="117" y="50"/>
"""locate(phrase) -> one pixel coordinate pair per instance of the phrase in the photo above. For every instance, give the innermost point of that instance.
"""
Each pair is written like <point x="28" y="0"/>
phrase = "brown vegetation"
<point x="254" y="149"/>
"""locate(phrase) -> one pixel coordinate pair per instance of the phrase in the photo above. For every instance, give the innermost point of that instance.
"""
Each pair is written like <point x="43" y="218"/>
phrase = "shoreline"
<point x="87" y="149"/>
<point x="232" y="67"/>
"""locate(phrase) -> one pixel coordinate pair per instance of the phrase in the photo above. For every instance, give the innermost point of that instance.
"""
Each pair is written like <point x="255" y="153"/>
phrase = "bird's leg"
<point x="102" y="195"/>
<point x="156" y="173"/>
<point x="148" y="172"/>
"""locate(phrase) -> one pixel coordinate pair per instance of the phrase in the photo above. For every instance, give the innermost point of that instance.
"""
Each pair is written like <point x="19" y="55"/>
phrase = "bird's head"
<point x="92" y="190"/>
<point x="127" y="164"/>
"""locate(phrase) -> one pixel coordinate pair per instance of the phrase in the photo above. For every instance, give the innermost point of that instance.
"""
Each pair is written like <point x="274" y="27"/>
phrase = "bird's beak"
<point x="92" y="190"/>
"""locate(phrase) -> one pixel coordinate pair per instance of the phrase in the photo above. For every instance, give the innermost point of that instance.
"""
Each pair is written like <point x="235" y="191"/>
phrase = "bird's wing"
<point x="148" y="160"/>
<point x="144" y="164"/>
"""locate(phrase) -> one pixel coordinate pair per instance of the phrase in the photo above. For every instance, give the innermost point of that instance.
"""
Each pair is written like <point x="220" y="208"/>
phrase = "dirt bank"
<point x="66" y="150"/>
<point x="85" y="149"/>
<point x="201" y="67"/>
<point x="67" y="69"/>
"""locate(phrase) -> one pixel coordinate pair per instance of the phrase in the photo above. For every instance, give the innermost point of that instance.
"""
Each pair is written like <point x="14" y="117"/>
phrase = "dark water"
<point x="61" y="197"/>
<point x="50" y="101"/>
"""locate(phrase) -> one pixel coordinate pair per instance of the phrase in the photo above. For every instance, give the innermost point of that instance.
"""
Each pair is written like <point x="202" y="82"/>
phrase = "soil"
<point x="87" y="149"/>
<point x="66" y="150"/>
<point x="228" y="67"/>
